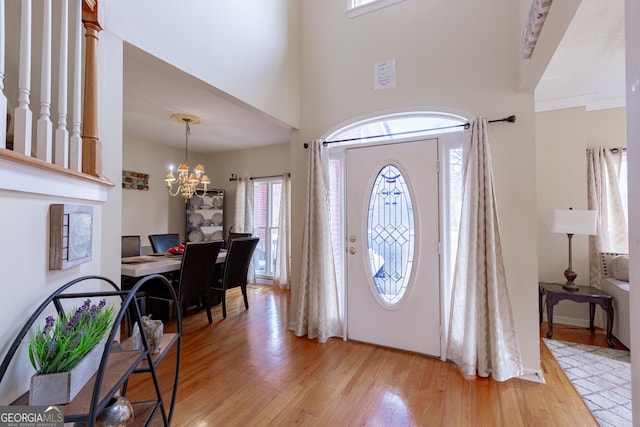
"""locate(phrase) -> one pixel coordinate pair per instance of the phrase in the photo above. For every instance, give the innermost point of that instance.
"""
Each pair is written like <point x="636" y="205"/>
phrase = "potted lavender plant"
<point x="67" y="351"/>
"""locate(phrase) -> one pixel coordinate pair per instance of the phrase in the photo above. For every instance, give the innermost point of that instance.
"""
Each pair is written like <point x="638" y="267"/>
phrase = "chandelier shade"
<point x="187" y="184"/>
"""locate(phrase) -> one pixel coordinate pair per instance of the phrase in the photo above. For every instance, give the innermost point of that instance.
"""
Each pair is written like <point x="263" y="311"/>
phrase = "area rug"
<point x="601" y="376"/>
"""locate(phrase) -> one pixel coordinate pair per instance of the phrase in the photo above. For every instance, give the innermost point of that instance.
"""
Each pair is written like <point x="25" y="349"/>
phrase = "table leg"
<point x="540" y="293"/>
<point x="592" y="313"/>
<point x="550" y="303"/>
<point x="609" y="311"/>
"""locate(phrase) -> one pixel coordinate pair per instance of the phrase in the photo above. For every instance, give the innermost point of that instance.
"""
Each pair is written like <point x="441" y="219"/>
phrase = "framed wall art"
<point x="135" y="180"/>
<point x="70" y="235"/>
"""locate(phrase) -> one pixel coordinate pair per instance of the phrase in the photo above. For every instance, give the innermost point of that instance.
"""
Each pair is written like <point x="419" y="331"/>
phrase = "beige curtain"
<point x="243" y="219"/>
<point x="318" y="305"/>
<point x="282" y="271"/>
<point x="604" y="196"/>
<point x="482" y="334"/>
<point x="239" y="213"/>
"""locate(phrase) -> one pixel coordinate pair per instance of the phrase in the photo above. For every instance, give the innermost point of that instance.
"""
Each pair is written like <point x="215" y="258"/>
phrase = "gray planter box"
<point x="62" y="387"/>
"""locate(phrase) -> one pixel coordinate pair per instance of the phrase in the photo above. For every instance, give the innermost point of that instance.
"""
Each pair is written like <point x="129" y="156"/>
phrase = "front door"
<point x="393" y="284"/>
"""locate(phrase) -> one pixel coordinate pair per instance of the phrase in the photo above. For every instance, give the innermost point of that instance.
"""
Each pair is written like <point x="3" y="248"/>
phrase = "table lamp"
<point x="572" y="221"/>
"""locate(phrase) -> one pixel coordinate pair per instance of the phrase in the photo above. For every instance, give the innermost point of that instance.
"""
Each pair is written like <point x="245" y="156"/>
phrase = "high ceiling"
<point x="155" y="90"/>
<point x="586" y="70"/>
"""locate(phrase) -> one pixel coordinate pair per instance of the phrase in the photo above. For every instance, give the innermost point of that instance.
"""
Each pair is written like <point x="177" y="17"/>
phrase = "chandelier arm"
<point x="176" y="192"/>
<point x="204" y="192"/>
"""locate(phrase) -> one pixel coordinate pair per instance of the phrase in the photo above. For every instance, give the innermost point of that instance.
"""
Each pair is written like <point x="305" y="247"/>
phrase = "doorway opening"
<point x="444" y="130"/>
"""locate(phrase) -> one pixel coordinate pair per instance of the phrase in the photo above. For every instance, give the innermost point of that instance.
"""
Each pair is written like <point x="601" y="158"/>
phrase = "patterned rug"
<point x="601" y="376"/>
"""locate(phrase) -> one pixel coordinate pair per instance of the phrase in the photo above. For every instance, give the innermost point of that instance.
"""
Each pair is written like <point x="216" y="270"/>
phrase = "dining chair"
<point x="235" y="269"/>
<point x="233" y="235"/>
<point x="162" y="242"/>
<point x="131" y="246"/>
<point x="196" y="270"/>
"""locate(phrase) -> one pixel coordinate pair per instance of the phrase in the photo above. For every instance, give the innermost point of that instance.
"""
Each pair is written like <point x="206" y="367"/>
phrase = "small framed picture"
<point x="70" y="235"/>
<point x="135" y="180"/>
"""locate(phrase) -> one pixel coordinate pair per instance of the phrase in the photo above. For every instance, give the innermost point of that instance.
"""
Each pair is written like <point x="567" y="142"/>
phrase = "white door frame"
<point x="447" y="142"/>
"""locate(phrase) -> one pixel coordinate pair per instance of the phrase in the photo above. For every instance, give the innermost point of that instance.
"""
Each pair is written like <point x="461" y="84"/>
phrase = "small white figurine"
<point x="154" y="330"/>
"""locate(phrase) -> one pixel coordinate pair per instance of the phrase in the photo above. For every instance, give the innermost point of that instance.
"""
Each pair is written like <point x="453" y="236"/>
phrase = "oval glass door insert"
<point x="390" y="230"/>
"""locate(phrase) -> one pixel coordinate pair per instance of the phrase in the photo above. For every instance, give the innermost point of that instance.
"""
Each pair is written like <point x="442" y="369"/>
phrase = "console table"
<point x="554" y="293"/>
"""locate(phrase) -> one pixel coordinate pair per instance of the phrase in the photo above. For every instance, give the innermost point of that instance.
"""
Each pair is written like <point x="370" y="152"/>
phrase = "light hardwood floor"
<point x="249" y="370"/>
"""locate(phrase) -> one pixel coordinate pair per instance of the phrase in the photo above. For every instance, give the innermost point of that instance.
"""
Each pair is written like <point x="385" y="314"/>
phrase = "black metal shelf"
<point x="119" y="360"/>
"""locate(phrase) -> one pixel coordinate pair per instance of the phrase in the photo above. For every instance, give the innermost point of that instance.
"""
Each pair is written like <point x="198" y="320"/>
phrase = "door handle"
<point x="352" y="250"/>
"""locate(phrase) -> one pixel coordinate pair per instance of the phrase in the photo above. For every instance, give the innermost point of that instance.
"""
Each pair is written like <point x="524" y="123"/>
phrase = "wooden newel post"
<point x="91" y="145"/>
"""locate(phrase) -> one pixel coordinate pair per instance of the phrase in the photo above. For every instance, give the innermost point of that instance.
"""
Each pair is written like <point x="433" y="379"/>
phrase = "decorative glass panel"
<point x="390" y="229"/>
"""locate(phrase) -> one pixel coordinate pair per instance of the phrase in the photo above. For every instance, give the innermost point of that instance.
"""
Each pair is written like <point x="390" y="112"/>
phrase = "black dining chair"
<point x="233" y="235"/>
<point x="196" y="270"/>
<point x="162" y="242"/>
<point x="235" y="269"/>
<point x="131" y="246"/>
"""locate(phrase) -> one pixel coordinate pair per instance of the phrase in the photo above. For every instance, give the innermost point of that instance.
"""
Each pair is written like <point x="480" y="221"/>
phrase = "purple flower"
<point x="49" y="323"/>
<point x="102" y="303"/>
<point x="74" y="320"/>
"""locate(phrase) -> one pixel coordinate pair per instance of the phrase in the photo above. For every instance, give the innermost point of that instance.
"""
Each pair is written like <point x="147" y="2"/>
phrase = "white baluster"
<point x="44" y="127"/>
<point x="75" y="144"/>
<point x="22" y="123"/>
<point x="3" y="98"/>
<point x="62" y="134"/>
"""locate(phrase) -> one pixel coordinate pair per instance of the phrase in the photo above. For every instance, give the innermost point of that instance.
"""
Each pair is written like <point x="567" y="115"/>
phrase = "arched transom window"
<point x="398" y="126"/>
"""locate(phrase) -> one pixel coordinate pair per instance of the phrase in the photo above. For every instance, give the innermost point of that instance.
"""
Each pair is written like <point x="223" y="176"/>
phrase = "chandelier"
<point x="187" y="184"/>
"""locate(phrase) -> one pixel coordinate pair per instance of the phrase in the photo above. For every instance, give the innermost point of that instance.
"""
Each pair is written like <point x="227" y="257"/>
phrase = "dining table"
<point x="145" y="265"/>
<point x="134" y="268"/>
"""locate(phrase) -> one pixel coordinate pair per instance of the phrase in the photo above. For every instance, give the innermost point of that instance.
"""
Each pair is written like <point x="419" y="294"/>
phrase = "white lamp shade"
<point x="573" y="221"/>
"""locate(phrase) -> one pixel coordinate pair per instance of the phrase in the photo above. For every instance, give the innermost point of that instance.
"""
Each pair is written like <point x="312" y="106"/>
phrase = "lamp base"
<point x="570" y="286"/>
<point x="570" y="275"/>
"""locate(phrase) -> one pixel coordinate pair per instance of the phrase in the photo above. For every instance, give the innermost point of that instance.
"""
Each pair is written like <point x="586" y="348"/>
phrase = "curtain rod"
<point x="510" y="119"/>
<point x="234" y="177"/>
<point x="613" y="150"/>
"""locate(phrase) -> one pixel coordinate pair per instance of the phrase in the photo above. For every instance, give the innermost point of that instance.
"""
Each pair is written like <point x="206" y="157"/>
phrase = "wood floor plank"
<point x="249" y="370"/>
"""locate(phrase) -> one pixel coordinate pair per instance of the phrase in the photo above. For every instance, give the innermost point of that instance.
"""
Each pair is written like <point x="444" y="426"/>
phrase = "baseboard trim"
<point x="572" y="321"/>
<point x="533" y="376"/>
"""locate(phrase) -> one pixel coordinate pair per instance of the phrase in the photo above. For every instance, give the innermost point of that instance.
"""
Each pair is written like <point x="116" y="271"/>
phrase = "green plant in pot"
<point x="66" y="352"/>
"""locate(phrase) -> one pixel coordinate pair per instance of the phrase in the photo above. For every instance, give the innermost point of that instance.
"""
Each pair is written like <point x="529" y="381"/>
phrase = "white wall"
<point x="110" y="131"/>
<point x="632" y="37"/>
<point x="248" y="49"/>
<point x="450" y="54"/>
<point x="562" y="137"/>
